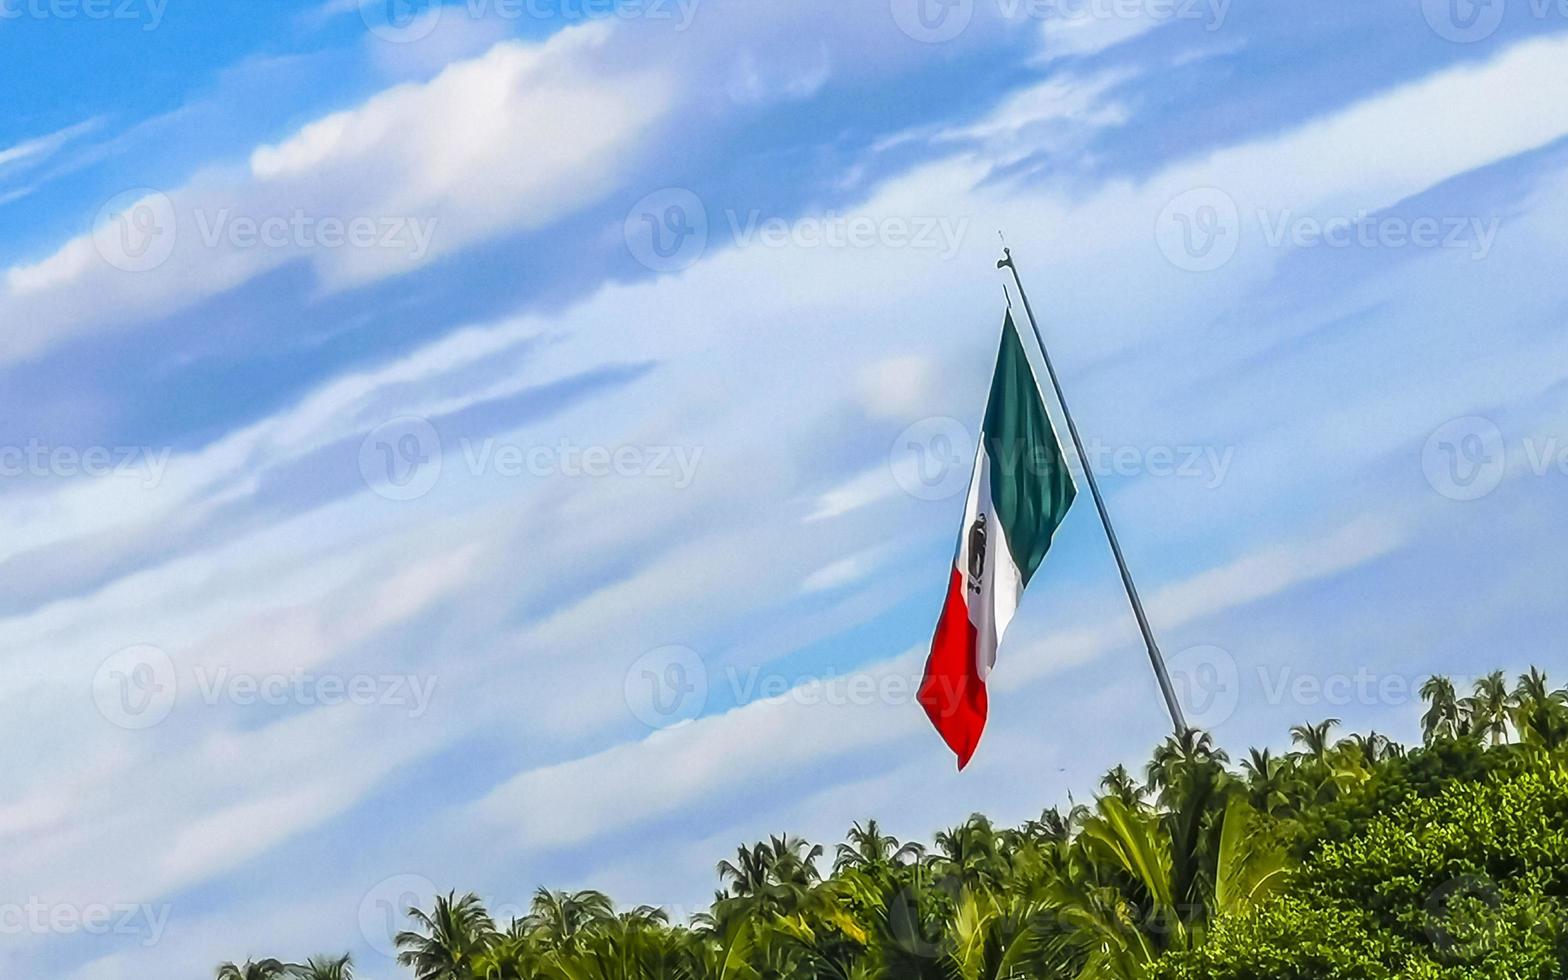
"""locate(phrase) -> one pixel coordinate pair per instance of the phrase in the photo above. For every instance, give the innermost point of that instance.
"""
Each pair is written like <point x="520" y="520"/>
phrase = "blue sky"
<point x="518" y="443"/>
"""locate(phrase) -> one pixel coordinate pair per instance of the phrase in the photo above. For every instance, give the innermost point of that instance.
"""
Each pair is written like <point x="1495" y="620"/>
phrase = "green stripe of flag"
<point x="1030" y="483"/>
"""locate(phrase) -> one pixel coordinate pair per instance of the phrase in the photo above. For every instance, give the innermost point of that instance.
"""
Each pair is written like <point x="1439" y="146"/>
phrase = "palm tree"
<point x="1267" y="778"/>
<point x="1314" y="739"/>
<point x="556" y="921"/>
<point x="1193" y="750"/>
<point x="1547" y="726"/>
<point x="747" y="875"/>
<point x="1126" y="901"/>
<point x="1540" y="714"/>
<point x="1486" y="711"/>
<point x="1121" y="839"/>
<point x="873" y="852"/>
<point x="995" y="938"/>
<point x="726" y="952"/>
<point x="636" y="945"/>
<point x="1442" y="718"/>
<point x="970" y="853"/>
<point x="268" y="969"/>
<point x="448" y="939"/>
<point x="511" y="955"/>
<point x="771" y="879"/>
<point x="780" y="859"/>
<point x="1120" y="784"/>
<point x="793" y="861"/>
<point x="1532" y="687"/>
<point x="1052" y="827"/>
<point x="1259" y="765"/>
<point x="1249" y="867"/>
<point x="1370" y="749"/>
<point x="322" y="968"/>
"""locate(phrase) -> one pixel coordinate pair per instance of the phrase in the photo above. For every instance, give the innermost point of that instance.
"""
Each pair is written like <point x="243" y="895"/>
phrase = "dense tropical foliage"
<point x="1348" y="857"/>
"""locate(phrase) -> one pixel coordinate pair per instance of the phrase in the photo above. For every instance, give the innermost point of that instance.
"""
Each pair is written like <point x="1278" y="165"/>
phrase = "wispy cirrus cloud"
<point x="33" y="152"/>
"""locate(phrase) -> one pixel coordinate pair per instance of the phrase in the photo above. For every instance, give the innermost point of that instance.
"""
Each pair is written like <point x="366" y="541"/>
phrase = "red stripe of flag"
<point x="952" y="691"/>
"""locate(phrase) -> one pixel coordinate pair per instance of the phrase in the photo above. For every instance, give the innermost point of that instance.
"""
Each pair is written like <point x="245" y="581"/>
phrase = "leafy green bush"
<point x="1471" y="882"/>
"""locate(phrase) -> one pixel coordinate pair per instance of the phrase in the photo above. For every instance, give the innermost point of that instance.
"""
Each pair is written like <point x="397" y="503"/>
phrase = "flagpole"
<point x="1155" y="657"/>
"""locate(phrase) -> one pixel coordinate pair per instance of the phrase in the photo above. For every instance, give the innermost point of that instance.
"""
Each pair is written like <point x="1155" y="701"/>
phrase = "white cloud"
<point x="754" y="82"/>
<point x="30" y="153"/>
<point x="514" y="139"/>
<point x="864" y="490"/>
<point x="845" y="571"/>
<point x="896" y="387"/>
<point x="668" y="771"/>
<point x="1081" y="36"/>
<point x="1268" y="572"/>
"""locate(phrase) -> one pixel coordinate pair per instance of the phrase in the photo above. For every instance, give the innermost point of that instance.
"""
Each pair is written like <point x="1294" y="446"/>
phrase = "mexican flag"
<point x="1019" y="494"/>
